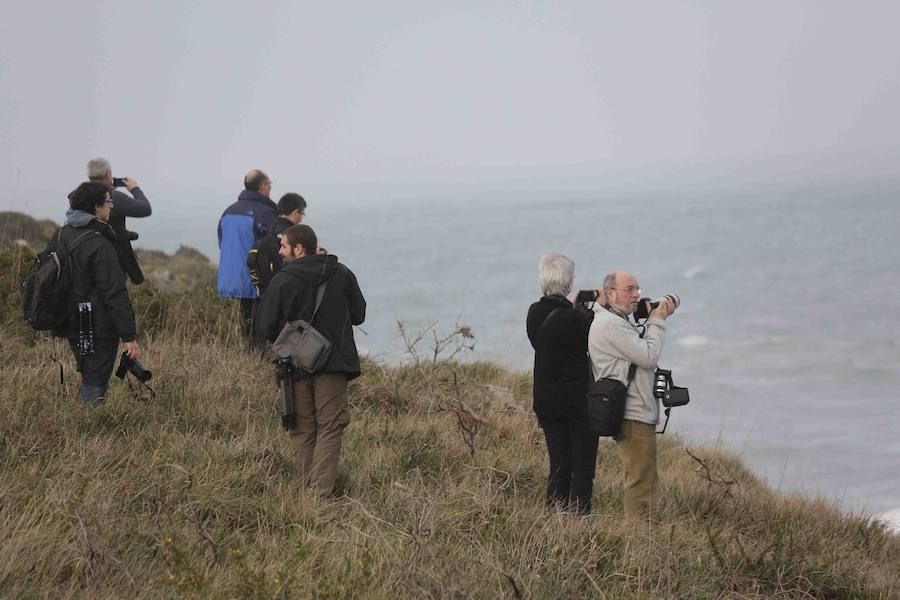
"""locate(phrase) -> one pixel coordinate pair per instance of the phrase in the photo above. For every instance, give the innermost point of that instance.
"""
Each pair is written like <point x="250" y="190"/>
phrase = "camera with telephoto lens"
<point x="645" y="305"/>
<point x="665" y="390"/>
<point x="131" y="365"/>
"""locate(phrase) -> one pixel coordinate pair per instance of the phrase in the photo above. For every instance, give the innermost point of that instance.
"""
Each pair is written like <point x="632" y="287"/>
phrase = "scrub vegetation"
<point x="192" y="494"/>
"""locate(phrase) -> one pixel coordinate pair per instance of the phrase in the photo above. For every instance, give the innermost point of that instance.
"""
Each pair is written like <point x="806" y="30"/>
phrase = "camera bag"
<point x="606" y="404"/>
<point x="308" y="349"/>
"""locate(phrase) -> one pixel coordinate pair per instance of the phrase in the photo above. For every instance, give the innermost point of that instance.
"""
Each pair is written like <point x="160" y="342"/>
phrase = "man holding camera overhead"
<point x="137" y="205"/>
<point x="123" y="205"/>
<point x="614" y="344"/>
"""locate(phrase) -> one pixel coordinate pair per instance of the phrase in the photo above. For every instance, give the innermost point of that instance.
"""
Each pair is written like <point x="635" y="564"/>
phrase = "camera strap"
<point x="666" y="424"/>
<point x="136" y="392"/>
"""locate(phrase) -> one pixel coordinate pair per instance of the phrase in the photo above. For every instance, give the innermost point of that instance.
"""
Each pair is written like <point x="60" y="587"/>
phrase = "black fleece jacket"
<point x="560" y="358"/>
<point x="292" y="295"/>
<point x="98" y="278"/>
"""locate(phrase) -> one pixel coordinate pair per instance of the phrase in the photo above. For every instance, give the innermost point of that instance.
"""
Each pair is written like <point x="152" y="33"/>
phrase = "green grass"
<point x="193" y="494"/>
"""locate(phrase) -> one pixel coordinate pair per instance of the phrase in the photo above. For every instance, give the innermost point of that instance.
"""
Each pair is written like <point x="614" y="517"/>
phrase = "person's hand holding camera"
<point x="130" y="183"/>
<point x="665" y="308"/>
<point x="132" y="350"/>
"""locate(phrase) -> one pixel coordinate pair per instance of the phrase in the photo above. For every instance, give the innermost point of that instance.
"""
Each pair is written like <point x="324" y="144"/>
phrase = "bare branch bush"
<point x="444" y="347"/>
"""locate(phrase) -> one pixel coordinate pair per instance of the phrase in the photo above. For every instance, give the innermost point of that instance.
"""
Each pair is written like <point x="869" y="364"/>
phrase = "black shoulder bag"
<point x="308" y="349"/>
<point x="606" y="403"/>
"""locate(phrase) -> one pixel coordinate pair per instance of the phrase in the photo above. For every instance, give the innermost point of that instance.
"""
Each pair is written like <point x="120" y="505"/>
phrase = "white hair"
<point x="556" y="272"/>
<point x="97" y="168"/>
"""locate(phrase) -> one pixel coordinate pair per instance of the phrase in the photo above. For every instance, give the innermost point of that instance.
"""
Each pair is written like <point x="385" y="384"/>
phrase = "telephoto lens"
<point x="661" y="383"/>
<point x="645" y="305"/>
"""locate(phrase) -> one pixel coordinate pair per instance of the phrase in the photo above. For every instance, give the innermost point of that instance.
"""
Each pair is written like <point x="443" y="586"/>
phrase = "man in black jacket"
<point x="98" y="285"/>
<point x="320" y="399"/>
<point x="264" y="258"/>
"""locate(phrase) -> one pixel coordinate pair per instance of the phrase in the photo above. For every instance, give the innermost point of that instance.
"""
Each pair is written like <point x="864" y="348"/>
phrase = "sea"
<point x="788" y="333"/>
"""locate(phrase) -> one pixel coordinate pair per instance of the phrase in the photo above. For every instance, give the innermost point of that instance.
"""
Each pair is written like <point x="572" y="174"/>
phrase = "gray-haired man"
<point x="123" y="205"/>
<point x="136" y="205"/>
<point x="614" y="344"/>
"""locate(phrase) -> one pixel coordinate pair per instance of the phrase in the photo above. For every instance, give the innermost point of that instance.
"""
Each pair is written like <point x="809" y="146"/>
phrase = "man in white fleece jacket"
<point x="614" y="343"/>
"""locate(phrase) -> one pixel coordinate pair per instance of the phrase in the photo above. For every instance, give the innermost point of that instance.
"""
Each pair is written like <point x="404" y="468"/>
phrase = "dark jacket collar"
<point x="254" y="197"/>
<point x="556" y="301"/>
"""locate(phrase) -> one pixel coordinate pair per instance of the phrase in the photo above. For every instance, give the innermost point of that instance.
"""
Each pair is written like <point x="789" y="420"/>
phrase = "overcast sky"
<point x="200" y="92"/>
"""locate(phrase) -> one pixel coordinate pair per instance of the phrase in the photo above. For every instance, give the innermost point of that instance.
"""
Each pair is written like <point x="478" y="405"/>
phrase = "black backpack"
<point x="263" y="260"/>
<point x="47" y="287"/>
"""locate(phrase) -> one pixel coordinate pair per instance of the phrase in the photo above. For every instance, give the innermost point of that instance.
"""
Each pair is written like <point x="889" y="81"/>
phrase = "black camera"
<point x="585" y="296"/>
<point x="118" y="182"/>
<point x="131" y="365"/>
<point x="665" y="390"/>
<point x="645" y="305"/>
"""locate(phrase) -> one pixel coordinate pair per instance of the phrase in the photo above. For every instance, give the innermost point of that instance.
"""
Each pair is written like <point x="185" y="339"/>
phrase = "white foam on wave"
<point x="694" y="271"/>
<point x="694" y="340"/>
<point x="892" y="519"/>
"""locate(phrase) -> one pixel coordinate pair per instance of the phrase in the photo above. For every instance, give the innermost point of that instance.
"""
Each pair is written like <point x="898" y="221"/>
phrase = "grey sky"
<point x="200" y="92"/>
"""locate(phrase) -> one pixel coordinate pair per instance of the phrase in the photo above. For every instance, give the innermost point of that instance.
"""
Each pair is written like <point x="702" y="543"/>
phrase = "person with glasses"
<point x="242" y="224"/>
<point x="105" y="314"/>
<point x="558" y="333"/>
<point x="614" y="344"/>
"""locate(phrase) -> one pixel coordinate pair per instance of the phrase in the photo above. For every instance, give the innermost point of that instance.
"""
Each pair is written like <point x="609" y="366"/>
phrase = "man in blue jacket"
<point x="240" y="226"/>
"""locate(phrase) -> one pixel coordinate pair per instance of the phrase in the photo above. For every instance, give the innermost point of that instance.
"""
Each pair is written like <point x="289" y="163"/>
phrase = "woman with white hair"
<point x="558" y="333"/>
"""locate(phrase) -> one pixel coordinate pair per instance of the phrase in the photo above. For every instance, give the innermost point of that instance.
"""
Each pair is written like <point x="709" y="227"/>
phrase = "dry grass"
<point x="193" y="495"/>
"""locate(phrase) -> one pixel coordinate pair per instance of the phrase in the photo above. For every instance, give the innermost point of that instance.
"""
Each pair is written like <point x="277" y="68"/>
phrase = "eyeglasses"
<point x="629" y="290"/>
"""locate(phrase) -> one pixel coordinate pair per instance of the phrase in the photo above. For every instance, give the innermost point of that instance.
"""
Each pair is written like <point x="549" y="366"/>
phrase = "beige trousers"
<point x="320" y="402"/>
<point x="637" y="450"/>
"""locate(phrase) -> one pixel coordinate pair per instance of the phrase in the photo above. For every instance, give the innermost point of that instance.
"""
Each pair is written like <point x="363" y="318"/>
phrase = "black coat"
<point x="97" y="277"/>
<point x="267" y="260"/>
<point x="292" y="295"/>
<point x="560" y="357"/>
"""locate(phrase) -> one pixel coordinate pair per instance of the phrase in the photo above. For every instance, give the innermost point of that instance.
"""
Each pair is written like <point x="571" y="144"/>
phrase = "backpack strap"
<point x="69" y="248"/>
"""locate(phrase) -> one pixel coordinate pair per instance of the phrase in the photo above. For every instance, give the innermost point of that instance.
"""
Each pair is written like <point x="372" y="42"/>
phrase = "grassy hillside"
<point x="192" y="493"/>
<point x="186" y="269"/>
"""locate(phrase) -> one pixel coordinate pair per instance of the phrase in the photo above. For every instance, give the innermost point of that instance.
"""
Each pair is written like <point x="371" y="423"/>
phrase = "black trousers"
<point x="573" y="460"/>
<point x="248" y="312"/>
<point x="95" y="368"/>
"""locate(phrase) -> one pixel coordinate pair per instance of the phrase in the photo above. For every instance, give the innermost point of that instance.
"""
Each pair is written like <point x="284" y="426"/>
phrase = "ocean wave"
<point x="694" y="340"/>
